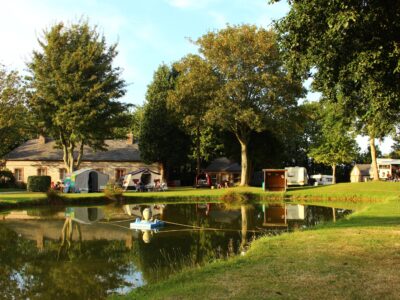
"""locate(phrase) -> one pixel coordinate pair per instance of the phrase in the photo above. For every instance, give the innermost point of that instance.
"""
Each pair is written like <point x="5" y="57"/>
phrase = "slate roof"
<point x="364" y="169"/>
<point x="223" y="164"/>
<point x="32" y="150"/>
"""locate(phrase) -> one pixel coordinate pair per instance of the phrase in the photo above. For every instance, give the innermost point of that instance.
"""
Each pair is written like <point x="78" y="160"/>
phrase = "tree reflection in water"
<point x="73" y="258"/>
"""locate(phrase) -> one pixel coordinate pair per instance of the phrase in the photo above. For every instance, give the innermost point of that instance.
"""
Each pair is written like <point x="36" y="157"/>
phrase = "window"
<point x="119" y="173"/>
<point x="19" y="175"/>
<point x="41" y="171"/>
<point x="63" y="173"/>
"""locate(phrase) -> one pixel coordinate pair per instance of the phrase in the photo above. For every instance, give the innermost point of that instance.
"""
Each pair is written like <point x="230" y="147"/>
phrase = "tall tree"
<point x="336" y="145"/>
<point x="15" y="119"/>
<point x="352" y="49"/>
<point x="75" y="89"/>
<point x="191" y="98"/>
<point x="255" y="90"/>
<point x="160" y="139"/>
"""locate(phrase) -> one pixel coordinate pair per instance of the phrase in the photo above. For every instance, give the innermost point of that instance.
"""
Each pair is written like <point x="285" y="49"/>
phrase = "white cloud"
<point x="220" y="20"/>
<point x="190" y="4"/>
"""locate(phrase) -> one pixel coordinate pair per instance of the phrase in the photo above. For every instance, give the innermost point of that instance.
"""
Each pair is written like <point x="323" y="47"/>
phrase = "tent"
<point x="143" y="179"/>
<point x="86" y="181"/>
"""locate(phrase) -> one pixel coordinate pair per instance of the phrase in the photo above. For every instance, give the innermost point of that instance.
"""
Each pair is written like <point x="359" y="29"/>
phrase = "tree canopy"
<point x="75" y="89"/>
<point x="255" y="91"/>
<point x="351" y="48"/>
<point x="160" y="139"/>
<point x="15" y="120"/>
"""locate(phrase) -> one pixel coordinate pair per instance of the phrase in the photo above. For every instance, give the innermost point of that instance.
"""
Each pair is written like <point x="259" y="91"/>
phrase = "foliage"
<point x="255" y="91"/>
<point x="352" y="50"/>
<point x="195" y="88"/>
<point x="7" y="178"/>
<point x="161" y="139"/>
<point x="336" y="145"/>
<point x="38" y="183"/>
<point x="74" y="89"/>
<point x="134" y="119"/>
<point x="113" y="192"/>
<point x="15" y="121"/>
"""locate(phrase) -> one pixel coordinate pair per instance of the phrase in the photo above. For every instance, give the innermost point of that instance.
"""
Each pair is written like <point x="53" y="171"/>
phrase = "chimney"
<point x="129" y="138"/>
<point x="41" y="140"/>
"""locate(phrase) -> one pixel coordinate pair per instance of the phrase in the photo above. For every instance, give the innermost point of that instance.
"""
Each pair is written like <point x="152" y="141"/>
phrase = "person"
<point x="226" y="184"/>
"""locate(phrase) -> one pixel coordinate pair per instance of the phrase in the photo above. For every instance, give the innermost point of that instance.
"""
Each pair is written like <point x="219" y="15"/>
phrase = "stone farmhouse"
<point x="41" y="157"/>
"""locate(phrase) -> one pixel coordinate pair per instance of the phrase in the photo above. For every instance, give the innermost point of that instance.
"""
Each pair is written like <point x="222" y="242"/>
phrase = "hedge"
<point x="39" y="183"/>
<point x="6" y="178"/>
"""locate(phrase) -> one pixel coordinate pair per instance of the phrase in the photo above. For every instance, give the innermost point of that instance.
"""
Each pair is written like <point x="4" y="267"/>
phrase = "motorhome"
<point x="297" y="176"/>
<point x="320" y="179"/>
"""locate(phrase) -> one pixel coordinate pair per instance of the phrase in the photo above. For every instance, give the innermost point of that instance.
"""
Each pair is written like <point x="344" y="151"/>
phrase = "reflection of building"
<point x="279" y="215"/>
<point x="134" y="210"/>
<point x="85" y="215"/>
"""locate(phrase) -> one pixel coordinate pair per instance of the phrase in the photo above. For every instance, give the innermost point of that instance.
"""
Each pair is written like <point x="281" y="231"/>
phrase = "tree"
<point x="15" y="120"/>
<point x="335" y="145"/>
<point x="75" y="88"/>
<point x="255" y="91"/>
<point x="352" y="50"/>
<point x="194" y="90"/>
<point x="160" y="139"/>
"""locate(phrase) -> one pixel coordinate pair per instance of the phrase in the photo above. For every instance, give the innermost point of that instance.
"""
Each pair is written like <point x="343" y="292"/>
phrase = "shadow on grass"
<point x="306" y="187"/>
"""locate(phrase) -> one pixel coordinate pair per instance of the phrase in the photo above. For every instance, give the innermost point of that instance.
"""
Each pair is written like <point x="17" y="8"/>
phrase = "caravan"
<point x="320" y="179"/>
<point x="296" y="176"/>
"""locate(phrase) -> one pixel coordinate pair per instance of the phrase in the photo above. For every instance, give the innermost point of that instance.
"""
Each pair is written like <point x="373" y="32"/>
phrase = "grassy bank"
<point x="345" y="193"/>
<point x="356" y="258"/>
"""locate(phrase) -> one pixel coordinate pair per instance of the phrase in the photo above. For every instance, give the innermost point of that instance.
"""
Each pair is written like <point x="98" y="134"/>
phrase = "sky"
<point x="148" y="32"/>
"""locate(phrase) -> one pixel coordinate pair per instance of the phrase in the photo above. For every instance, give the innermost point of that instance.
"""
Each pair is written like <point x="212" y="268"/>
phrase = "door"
<point x="93" y="184"/>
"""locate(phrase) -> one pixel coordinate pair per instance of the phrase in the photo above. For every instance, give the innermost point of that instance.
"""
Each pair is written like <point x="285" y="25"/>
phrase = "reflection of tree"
<point x="247" y="212"/>
<point x="92" y="270"/>
<point x="67" y="236"/>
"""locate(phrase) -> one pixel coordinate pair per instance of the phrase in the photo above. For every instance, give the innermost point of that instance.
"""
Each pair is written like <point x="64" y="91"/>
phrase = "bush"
<point x="39" y="183"/>
<point x="237" y="198"/>
<point x="6" y="179"/>
<point x="113" y="192"/>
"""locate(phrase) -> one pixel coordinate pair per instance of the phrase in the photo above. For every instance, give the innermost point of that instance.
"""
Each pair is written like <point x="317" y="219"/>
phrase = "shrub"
<point x="236" y="198"/>
<point x="39" y="183"/>
<point x="113" y="191"/>
<point x="7" y="179"/>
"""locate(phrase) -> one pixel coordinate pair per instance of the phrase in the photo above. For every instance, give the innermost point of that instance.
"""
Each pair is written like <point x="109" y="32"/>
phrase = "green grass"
<point x="344" y="193"/>
<point x="355" y="258"/>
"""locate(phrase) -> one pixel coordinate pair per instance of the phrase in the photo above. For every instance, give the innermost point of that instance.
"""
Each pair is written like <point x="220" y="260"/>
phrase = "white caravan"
<point x="297" y="176"/>
<point x="322" y="179"/>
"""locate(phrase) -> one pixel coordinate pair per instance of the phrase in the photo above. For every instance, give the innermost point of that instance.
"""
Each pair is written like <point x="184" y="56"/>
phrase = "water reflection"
<point x="89" y="252"/>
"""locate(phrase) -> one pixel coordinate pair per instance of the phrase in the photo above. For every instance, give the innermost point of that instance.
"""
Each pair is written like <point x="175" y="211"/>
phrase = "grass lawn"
<point x="356" y="258"/>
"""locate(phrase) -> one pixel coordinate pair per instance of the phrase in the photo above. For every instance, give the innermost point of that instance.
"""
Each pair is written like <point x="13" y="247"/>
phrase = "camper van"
<point x="297" y="176"/>
<point x="320" y="179"/>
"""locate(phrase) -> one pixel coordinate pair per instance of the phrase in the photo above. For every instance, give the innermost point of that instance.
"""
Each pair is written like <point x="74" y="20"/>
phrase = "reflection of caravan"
<point x="86" y="181"/>
<point x="297" y="176"/>
<point x="143" y="179"/>
<point x="320" y="179"/>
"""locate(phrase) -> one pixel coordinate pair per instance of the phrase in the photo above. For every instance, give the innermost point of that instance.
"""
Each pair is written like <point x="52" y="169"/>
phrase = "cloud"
<point x="190" y="4"/>
<point x="220" y="20"/>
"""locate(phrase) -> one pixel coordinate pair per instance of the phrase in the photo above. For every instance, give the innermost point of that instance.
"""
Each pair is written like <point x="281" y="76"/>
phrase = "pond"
<point x="90" y="252"/>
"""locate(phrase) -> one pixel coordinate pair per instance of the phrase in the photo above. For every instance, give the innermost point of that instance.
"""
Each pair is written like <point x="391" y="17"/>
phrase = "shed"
<point x="360" y="173"/>
<point x="275" y="180"/>
<point x="223" y="170"/>
<point x="86" y="181"/>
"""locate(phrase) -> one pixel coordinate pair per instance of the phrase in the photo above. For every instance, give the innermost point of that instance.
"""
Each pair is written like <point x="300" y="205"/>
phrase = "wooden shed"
<point x="275" y="180"/>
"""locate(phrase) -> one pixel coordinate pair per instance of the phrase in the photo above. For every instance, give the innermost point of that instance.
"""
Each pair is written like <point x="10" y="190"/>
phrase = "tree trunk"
<point x="374" y="164"/>
<point x="80" y="155"/>
<point x="334" y="174"/>
<point x="162" y="172"/>
<point x="198" y="150"/>
<point x="244" y="180"/>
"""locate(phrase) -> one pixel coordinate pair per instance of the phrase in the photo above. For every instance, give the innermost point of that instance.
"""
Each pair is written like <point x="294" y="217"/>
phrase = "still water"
<point x="90" y="252"/>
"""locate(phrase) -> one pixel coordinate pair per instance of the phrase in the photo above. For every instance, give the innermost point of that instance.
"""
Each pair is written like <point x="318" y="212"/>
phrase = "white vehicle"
<point x="297" y="176"/>
<point x="322" y="179"/>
